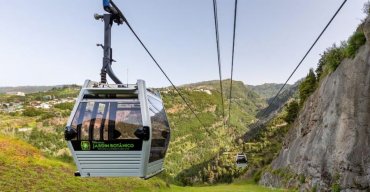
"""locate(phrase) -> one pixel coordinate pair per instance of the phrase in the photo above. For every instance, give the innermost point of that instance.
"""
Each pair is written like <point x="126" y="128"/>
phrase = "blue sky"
<point x="53" y="42"/>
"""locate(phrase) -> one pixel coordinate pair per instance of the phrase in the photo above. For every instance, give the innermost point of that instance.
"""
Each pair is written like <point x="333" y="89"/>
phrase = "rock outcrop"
<point x="329" y="143"/>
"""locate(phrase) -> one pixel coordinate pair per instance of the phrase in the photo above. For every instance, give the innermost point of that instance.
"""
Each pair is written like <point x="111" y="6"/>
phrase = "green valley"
<point x="197" y="156"/>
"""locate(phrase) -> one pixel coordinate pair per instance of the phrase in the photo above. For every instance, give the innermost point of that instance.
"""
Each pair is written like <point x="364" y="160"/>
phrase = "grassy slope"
<point x="24" y="168"/>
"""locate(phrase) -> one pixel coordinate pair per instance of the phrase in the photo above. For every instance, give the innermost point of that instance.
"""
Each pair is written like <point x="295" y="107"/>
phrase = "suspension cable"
<point x="232" y="60"/>
<point x="301" y="61"/>
<point x="219" y="59"/>
<point x="164" y="73"/>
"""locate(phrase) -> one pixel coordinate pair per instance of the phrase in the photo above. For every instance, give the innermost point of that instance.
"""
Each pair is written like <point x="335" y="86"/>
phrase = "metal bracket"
<point x="114" y="16"/>
<point x="107" y="58"/>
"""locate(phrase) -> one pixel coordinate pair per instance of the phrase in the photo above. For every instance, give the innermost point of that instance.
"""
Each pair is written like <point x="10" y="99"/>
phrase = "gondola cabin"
<point x="241" y="161"/>
<point x="118" y="130"/>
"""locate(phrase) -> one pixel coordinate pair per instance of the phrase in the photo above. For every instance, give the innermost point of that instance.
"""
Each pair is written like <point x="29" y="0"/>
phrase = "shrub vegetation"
<point x="307" y="87"/>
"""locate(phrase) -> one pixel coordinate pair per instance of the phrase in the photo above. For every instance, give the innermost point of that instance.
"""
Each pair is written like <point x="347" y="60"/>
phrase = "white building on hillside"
<point x="16" y="93"/>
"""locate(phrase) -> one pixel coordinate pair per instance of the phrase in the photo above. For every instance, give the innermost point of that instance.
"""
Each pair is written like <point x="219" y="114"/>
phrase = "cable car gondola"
<point x="116" y="129"/>
<point x="241" y="160"/>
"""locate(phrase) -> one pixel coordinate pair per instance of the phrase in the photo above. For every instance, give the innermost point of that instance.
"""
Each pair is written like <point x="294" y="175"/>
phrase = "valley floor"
<point x="240" y="187"/>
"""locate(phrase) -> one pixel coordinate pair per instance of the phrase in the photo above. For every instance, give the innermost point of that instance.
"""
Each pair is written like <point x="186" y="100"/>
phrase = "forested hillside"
<point x="267" y="90"/>
<point x="196" y="153"/>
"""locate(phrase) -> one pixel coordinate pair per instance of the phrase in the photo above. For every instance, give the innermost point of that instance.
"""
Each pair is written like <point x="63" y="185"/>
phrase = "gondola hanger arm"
<point x="111" y="8"/>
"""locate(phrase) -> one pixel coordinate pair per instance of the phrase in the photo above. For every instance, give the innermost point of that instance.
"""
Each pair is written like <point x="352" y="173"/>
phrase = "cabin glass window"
<point x="160" y="129"/>
<point x="241" y="160"/>
<point x="107" y="120"/>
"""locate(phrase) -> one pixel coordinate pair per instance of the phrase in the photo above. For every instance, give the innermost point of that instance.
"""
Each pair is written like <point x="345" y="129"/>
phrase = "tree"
<point x="307" y="87"/>
<point x="292" y="109"/>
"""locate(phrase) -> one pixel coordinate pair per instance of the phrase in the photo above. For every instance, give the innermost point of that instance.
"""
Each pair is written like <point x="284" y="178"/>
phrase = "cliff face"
<point x="330" y="140"/>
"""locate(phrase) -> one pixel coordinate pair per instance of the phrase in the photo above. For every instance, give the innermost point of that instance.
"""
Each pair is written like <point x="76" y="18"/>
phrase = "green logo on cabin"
<point x="85" y="145"/>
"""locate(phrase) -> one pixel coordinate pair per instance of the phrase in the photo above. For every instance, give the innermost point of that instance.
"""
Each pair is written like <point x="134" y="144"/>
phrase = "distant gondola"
<point x="241" y="161"/>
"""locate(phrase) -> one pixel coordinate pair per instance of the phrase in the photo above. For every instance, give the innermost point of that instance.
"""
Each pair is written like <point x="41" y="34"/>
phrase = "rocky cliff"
<point x="328" y="147"/>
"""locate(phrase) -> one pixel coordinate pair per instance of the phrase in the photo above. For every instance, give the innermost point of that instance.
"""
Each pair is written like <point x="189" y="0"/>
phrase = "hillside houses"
<point x="9" y="107"/>
<point x="208" y="91"/>
<point x="51" y="103"/>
